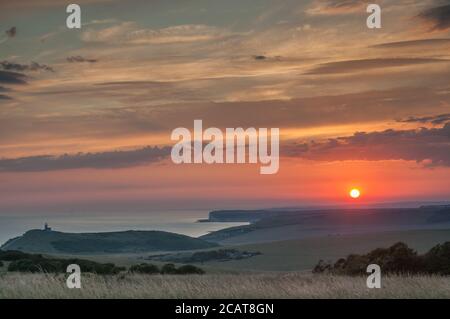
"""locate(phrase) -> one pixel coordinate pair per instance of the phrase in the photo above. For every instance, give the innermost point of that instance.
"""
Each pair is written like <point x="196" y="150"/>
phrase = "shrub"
<point x="144" y="269"/>
<point x="437" y="260"/>
<point x="190" y="269"/>
<point x="322" y="267"/>
<point x="169" y="269"/>
<point x="24" y="262"/>
<point x="30" y="265"/>
<point x="397" y="259"/>
<point x="11" y="255"/>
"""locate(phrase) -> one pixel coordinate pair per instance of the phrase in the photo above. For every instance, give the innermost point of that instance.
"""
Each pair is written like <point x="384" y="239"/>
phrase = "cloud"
<point x="266" y="58"/>
<point x="259" y="57"/>
<point x="79" y="58"/>
<point x="31" y="4"/>
<point x="8" y="77"/>
<point x="11" y="33"/>
<point x="413" y="43"/>
<point x="336" y="7"/>
<point x="435" y="120"/>
<point x="430" y="147"/>
<point x="438" y="17"/>
<point x="3" y="96"/>
<point x="105" y="160"/>
<point x="131" y="33"/>
<point x="365" y="64"/>
<point x="33" y="66"/>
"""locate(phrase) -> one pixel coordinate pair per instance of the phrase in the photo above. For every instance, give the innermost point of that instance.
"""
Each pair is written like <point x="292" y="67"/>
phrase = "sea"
<point x="181" y="222"/>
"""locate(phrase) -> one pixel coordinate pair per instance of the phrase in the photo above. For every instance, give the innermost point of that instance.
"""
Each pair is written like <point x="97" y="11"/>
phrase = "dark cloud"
<point x="33" y="66"/>
<point x="11" y="33"/>
<point x="265" y="57"/>
<point x="79" y="58"/>
<point x="436" y="120"/>
<point x="105" y="160"/>
<point x="360" y="65"/>
<point x="413" y="43"/>
<point x="430" y="147"/>
<point x="438" y="17"/>
<point x="259" y="57"/>
<point x="8" y="77"/>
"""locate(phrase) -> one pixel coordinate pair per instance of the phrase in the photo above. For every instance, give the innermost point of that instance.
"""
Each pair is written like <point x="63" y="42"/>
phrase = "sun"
<point x="355" y="193"/>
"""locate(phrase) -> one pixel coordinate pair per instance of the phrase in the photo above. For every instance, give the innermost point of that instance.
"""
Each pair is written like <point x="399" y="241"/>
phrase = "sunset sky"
<point x="86" y="115"/>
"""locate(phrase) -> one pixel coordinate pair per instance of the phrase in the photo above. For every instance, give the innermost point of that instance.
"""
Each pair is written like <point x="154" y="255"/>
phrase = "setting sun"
<point x="355" y="193"/>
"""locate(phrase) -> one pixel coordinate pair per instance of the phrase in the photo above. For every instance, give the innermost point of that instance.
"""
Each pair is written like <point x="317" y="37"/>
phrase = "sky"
<point x="86" y="114"/>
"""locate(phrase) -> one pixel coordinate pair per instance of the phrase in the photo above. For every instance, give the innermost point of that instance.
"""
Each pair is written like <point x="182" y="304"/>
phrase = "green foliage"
<point x="23" y="262"/>
<point x="397" y="259"/>
<point x="438" y="259"/>
<point x="11" y="255"/>
<point x="190" y="269"/>
<point x="33" y="263"/>
<point x="145" y="269"/>
<point x="169" y="269"/>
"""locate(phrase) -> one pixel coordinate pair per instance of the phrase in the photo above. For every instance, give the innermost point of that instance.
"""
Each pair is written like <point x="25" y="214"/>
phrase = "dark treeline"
<point x="23" y="262"/>
<point x="397" y="259"/>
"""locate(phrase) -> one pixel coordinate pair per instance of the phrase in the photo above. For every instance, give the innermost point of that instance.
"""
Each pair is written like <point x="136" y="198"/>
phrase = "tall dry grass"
<point x="264" y="285"/>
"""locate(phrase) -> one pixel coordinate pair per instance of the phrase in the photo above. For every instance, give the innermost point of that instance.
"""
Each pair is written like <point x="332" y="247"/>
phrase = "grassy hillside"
<point x="287" y="225"/>
<point x="266" y="285"/>
<point x="53" y="242"/>
<point x="303" y="254"/>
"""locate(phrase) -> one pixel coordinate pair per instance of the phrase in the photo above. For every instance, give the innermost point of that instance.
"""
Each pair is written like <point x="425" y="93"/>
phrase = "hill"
<point x="103" y="243"/>
<point x="271" y="225"/>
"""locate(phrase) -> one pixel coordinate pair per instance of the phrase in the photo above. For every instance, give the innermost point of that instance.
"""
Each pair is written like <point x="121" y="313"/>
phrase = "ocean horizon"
<point x="181" y="222"/>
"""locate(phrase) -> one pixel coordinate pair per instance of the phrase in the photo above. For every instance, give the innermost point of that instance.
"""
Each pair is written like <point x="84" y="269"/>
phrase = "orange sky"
<point x="355" y="107"/>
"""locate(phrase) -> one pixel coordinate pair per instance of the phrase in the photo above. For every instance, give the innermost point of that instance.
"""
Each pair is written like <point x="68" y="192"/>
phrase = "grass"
<point x="237" y="286"/>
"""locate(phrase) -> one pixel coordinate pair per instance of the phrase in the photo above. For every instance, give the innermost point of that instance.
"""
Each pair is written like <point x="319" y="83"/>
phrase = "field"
<point x="303" y="254"/>
<point x="297" y="255"/>
<point x="260" y="285"/>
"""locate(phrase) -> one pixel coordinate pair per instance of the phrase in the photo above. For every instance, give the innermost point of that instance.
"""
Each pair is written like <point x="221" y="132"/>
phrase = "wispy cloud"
<point x="10" y="33"/>
<point x="104" y="160"/>
<point x="336" y="7"/>
<point x="131" y="33"/>
<point x="79" y="58"/>
<point x="365" y="64"/>
<point x="33" y="66"/>
<point x="413" y="43"/>
<point x="430" y="147"/>
<point x="436" y="119"/>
